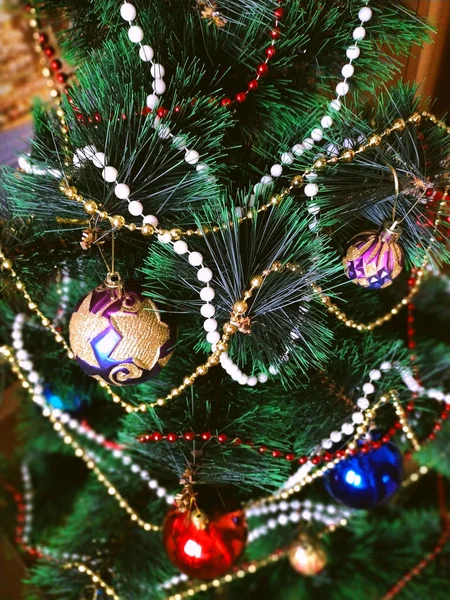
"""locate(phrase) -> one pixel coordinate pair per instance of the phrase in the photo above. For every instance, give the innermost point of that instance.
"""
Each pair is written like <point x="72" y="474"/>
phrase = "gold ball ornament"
<point x="307" y="558"/>
<point x="118" y="336"/>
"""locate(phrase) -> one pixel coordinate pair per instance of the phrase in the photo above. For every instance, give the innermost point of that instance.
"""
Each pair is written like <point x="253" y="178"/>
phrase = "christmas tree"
<point x="224" y="295"/>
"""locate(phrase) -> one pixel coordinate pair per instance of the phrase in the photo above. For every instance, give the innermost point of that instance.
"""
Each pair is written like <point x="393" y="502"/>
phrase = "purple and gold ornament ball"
<point x="120" y="338"/>
<point x="374" y="258"/>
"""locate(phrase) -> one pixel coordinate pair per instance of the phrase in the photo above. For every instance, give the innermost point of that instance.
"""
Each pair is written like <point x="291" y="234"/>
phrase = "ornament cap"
<point x="199" y="519"/>
<point x="392" y="228"/>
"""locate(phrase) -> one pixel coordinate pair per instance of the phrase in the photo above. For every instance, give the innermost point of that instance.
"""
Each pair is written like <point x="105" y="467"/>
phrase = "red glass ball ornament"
<point x="270" y="51"/>
<point x="225" y="101"/>
<point x="252" y="85"/>
<point x="43" y="38"/>
<point x="262" y="69"/>
<point x="241" y="97"/>
<point x="206" y="542"/>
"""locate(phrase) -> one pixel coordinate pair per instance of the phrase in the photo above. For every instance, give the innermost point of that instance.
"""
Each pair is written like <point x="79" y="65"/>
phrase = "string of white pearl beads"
<point x="297" y="505"/>
<point x="414" y="386"/>
<point x="173" y="581"/>
<point x="326" y="121"/>
<point x="25" y="165"/>
<point x="207" y="293"/>
<point x="70" y="422"/>
<point x="75" y="425"/>
<point x="64" y="292"/>
<point x="362" y="403"/>
<point x="28" y="501"/>
<point x="152" y="483"/>
<point x="146" y="54"/>
<point x="121" y="190"/>
<point x="237" y="375"/>
<point x="313" y="512"/>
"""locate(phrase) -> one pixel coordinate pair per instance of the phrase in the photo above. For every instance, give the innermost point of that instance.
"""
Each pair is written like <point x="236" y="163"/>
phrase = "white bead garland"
<point x="71" y="422"/>
<point x="64" y="292"/>
<point x="414" y="386"/>
<point x="363" y="403"/>
<point x="128" y="13"/>
<point x="121" y="190"/>
<point x="237" y="375"/>
<point x="342" y="89"/>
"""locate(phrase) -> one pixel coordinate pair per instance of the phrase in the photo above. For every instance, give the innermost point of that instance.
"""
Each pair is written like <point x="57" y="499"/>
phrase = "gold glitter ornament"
<point x="118" y="336"/>
<point x="307" y="557"/>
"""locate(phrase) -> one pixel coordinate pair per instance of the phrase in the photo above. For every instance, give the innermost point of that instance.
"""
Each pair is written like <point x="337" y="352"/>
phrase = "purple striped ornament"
<point x="374" y="258"/>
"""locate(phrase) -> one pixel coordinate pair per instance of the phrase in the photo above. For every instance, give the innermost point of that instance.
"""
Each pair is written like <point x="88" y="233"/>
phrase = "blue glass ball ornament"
<point x="366" y="480"/>
<point x="70" y="403"/>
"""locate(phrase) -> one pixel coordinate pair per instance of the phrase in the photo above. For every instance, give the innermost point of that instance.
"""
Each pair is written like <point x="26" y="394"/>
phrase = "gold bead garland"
<point x="346" y="155"/>
<point x="255" y="565"/>
<point x="403" y="422"/>
<point x="230" y="328"/>
<point x="341" y="315"/>
<point x="6" y="264"/>
<point x="414" y="477"/>
<point x="79" y="451"/>
<point x="361" y="429"/>
<point x="95" y="578"/>
<point x="54" y="93"/>
<point x="246" y="569"/>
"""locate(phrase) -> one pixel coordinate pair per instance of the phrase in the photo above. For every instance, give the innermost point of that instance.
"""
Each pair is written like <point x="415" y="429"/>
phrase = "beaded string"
<point x="342" y="89"/>
<point x="346" y="155"/>
<point x="263" y="68"/>
<point x="443" y="539"/>
<point x="25" y="511"/>
<point x="361" y="430"/>
<point x="94" y="577"/>
<point x="230" y="328"/>
<point x="7" y="265"/>
<point x="79" y="451"/>
<point x="50" y="65"/>
<point x="136" y="35"/>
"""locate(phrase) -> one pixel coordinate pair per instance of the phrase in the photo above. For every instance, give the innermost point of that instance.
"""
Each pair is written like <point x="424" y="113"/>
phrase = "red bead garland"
<point x="410" y="331"/>
<point x="21" y="506"/>
<point x="443" y="538"/>
<point x="221" y="438"/>
<point x="263" y="68"/>
<point x="239" y="98"/>
<point x="53" y="65"/>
